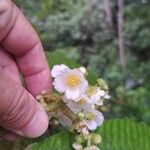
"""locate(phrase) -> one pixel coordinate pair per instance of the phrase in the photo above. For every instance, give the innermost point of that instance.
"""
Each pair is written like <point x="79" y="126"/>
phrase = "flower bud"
<point x="85" y="131"/>
<point x="83" y="70"/>
<point x="81" y="115"/>
<point x="89" y="116"/>
<point x="79" y="139"/>
<point x="96" y="138"/>
<point x="55" y="122"/>
<point x="104" y="109"/>
<point x="39" y="97"/>
<point x="102" y="84"/>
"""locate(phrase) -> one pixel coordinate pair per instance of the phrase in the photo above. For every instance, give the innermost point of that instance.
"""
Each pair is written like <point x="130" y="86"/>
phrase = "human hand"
<point x="21" y="50"/>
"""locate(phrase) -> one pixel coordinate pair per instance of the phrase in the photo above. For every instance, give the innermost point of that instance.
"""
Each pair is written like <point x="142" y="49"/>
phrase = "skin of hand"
<point x="21" y="51"/>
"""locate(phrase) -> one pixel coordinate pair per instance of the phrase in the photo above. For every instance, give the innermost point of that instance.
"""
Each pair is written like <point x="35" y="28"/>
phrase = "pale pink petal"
<point x="99" y="118"/>
<point x="101" y="93"/>
<point x="58" y="70"/>
<point x="91" y="124"/>
<point x="74" y="107"/>
<point x="107" y="96"/>
<point x="72" y="94"/>
<point x="64" y="120"/>
<point x="95" y="97"/>
<point x="59" y="84"/>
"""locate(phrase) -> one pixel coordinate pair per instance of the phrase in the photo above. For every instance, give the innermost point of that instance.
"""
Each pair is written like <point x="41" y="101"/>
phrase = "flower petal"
<point x="58" y="69"/>
<point x="101" y="93"/>
<point x="84" y="85"/>
<point x="72" y="94"/>
<point x="107" y="96"/>
<point x="99" y="118"/>
<point x="99" y="102"/>
<point x="76" y="107"/>
<point x="59" y="84"/>
<point x="95" y="97"/>
<point x="64" y="120"/>
<point x="91" y="124"/>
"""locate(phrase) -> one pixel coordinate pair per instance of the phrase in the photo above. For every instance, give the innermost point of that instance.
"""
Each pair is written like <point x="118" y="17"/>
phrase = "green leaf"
<point x="118" y="134"/>
<point x="124" y="134"/>
<point x="60" y="141"/>
<point x="54" y="58"/>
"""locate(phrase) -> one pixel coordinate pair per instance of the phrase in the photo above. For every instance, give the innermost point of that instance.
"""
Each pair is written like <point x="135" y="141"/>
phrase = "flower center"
<point x="73" y="81"/>
<point x="82" y="101"/>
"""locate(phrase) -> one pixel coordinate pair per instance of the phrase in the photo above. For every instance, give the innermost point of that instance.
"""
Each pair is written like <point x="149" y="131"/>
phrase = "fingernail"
<point x="37" y="126"/>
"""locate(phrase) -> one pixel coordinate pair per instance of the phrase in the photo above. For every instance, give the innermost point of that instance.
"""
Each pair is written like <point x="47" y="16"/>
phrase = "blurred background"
<point x="110" y="37"/>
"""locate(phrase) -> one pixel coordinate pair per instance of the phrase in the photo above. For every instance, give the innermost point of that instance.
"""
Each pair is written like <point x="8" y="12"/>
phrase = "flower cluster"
<point x="76" y="104"/>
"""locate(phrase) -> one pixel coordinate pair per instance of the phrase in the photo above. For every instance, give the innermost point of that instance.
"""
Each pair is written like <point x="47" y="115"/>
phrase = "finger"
<point x="19" y="38"/>
<point x="9" y="65"/>
<point x="20" y="113"/>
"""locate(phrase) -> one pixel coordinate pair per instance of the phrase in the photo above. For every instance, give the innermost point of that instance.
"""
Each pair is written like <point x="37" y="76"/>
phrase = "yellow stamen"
<point x="82" y="101"/>
<point x="73" y="80"/>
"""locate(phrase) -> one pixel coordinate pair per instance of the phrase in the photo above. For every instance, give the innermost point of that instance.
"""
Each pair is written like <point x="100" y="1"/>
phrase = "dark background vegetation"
<point x="87" y="32"/>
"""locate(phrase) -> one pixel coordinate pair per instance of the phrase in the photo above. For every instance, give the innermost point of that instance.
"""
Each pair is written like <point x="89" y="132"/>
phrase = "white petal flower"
<point x="95" y="121"/>
<point x="96" y="98"/>
<point x="58" y="69"/>
<point x="72" y="83"/>
<point x="96" y="95"/>
<point x="80" y="104"/>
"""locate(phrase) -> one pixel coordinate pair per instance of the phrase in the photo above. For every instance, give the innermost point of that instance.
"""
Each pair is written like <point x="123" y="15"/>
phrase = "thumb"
<point x="20" y="113"/>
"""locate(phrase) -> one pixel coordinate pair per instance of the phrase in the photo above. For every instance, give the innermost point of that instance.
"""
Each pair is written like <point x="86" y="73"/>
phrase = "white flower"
<point x="58" y="69"/>
<point x="96" y="98"/>
<point x="82" y="103"/>
<point x="96" y="95"/>
<point x="72" y="83"/>
<point x="95" y="119"/>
